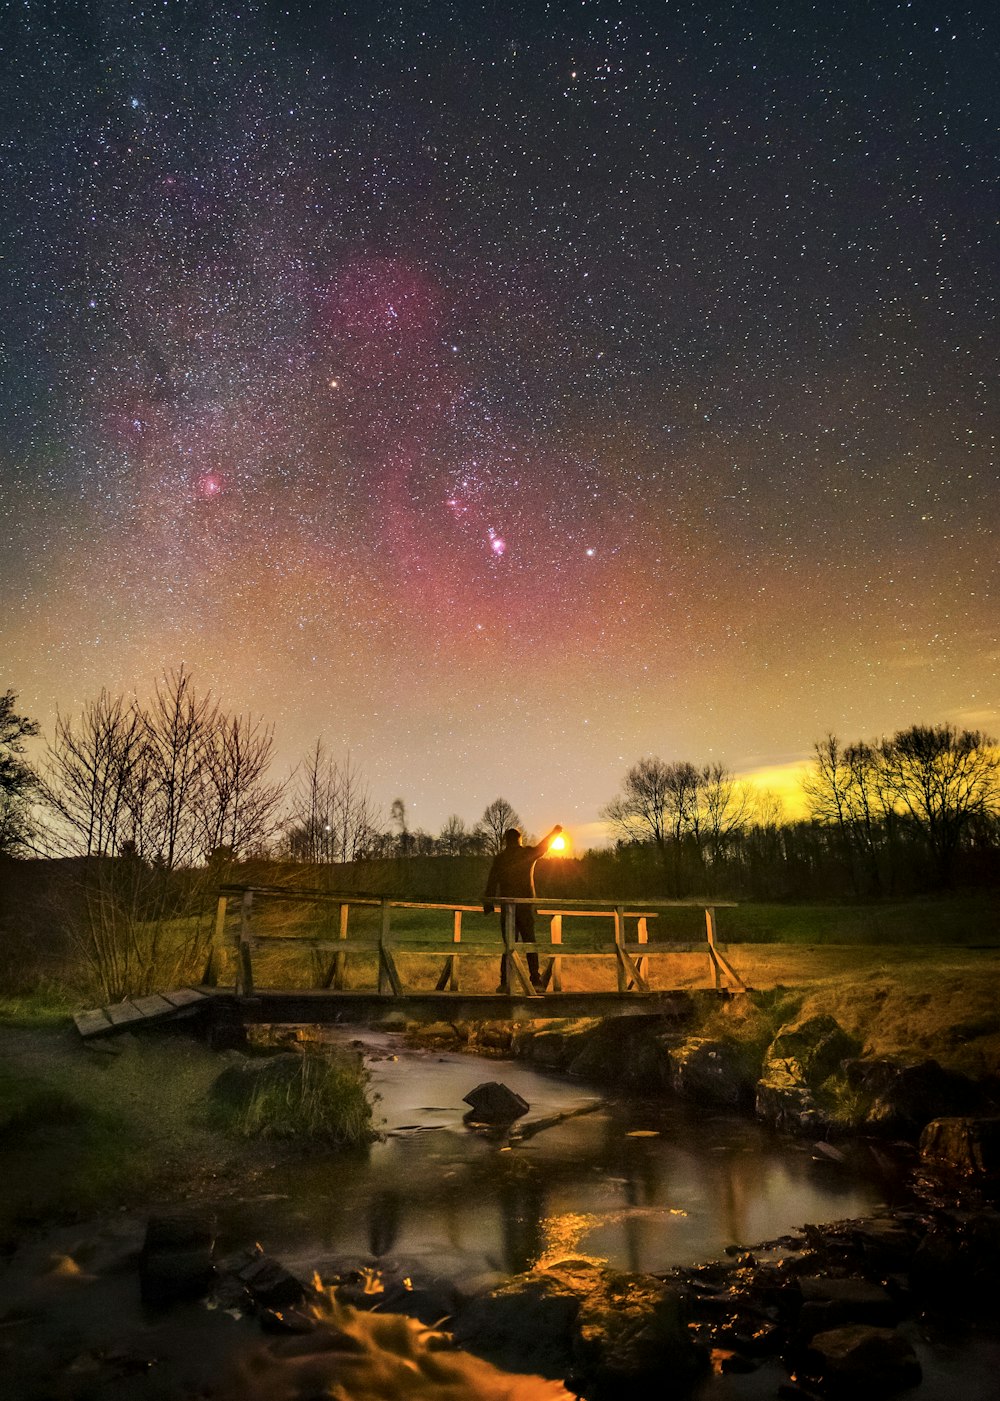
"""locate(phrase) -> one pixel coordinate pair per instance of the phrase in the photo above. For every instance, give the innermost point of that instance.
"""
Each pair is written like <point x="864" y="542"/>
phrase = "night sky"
<point x="505" y="391"/>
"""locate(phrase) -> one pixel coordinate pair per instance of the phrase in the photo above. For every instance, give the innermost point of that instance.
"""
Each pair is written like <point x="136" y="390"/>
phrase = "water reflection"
<point x="440" y="1198"/>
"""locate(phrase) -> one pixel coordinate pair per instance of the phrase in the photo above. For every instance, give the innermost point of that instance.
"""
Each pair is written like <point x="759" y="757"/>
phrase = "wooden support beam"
<point x="244" y="971"/>
<point x="388" y="975"/>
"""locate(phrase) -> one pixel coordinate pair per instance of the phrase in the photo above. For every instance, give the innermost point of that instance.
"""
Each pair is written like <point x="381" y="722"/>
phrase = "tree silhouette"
<point x="495" y="821"/>
<point x="17" y="779"/>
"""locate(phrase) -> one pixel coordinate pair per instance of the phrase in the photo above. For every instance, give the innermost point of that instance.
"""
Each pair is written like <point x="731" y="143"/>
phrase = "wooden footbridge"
<point x="273" y="940"/>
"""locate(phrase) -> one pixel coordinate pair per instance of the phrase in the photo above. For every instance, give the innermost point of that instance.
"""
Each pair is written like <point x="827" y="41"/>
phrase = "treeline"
<point x="912" y="813"/>
<point x="159" y="802"/>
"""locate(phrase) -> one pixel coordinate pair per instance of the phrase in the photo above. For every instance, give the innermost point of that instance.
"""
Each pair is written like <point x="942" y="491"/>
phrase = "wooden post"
<point x="449" y="974"/>
<point x="556" y="967"/>
<point x="456" y="938"/>
<point x="340" y="959"/>
<point x="712" y="956"/>
<point x="217" y="951"/>
<point x="642" y="937"/>
<point x="507" y="930"/>
<point x="619" y="948"/>
<point x="388" y="977"/>
<point x="244" y="972"/>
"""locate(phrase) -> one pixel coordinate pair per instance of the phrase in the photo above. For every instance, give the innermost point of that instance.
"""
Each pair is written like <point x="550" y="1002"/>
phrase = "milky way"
<point x="505" y="392"/>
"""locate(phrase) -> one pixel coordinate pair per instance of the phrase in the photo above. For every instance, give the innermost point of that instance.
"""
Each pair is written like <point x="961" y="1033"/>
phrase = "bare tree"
<point x="236" y="804"/>
<point x="942" y="779"/>
<point x="724" y="808"/>
<point x="333" y="817"/>
<point x="142" y="795"/>
<point x="454" y="836"/>
<point x="498" y="818"/>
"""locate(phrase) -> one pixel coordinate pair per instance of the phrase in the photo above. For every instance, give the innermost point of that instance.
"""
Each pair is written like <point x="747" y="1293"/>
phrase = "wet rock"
<point x="968" y="1147"/>
<point x="269" y="1284"/>
<point x="618" y="1335"/>
<point x="828" y="1303"/>
<point x="800" y="1063"/>
<point x="526" y="1323"/>
<point x="494" y="1103"/>
<point x="901" y="1099"/>
<point x="177" y="1259"/>
<point x="713" y="1072"/>
<point x="860" y="1361"/>
<point x="632" y="1339"/>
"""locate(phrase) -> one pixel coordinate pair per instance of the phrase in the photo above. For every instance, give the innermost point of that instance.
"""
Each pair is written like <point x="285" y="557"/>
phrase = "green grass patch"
<point x="319" y="1098"/>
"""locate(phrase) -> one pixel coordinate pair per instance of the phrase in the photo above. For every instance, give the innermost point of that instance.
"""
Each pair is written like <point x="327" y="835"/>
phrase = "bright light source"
<point x="558" y="845"/>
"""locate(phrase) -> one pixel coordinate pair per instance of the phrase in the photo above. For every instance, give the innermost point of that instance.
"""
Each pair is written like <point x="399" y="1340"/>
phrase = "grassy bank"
<point x="133" y="1121"/>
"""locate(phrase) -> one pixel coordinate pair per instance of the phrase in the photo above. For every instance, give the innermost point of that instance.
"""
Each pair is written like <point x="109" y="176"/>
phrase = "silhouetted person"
<point x="513" y="874"/>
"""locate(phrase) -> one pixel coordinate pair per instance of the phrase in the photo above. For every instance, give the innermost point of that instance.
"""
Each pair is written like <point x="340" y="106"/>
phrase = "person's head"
<point x="512" y="836"/>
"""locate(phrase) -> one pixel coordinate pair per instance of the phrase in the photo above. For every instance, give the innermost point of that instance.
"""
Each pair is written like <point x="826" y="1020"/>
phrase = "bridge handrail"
<point x="631" y="958"/>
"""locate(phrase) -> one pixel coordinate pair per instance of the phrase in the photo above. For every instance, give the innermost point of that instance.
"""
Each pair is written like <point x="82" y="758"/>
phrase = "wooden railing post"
<point x="340" y="959"/>
<point x="507" y="931"/>
<point x="449" y="973"/>
<point x="620" y="948"/>
<point x="216" y="951"/>
<point x="642" y="937"/>
<point x="555" y="934"/>
<point x="388" y="977"/>
<point x="244" y="971"/>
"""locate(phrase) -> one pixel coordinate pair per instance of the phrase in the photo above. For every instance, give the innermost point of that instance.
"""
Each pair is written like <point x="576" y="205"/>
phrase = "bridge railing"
<point x="631" y="954"/>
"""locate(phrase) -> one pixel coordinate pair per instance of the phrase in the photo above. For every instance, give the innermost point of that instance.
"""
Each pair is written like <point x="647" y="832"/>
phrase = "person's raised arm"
<point x="547" y="841"/>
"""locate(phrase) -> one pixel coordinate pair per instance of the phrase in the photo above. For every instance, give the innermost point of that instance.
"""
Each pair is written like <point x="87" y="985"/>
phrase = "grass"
<point x="321" y="1100"/>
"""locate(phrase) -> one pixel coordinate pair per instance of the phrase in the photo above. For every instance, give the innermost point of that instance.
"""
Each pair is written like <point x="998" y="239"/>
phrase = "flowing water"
<point x="640" y="1184"/>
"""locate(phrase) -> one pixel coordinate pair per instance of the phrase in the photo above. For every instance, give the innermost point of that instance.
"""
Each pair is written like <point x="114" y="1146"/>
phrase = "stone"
<point x="858" y="1360"/>
<point x="713" y="1072"/>
<point x="969" y="1147"/>
<point x="798" y="1063"/>
<point x="620" y="1335"/>
<point x="632" y="1339"/>
<point x="901" y="1099"/>
<point x="269" y="1284"/>
<point x="494" y="1103"/>
<point x="828" y="1302"/>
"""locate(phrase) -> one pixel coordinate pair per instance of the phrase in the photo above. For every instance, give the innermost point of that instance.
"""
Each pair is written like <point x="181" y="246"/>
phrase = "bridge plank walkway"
<point x="157" y="1007"/>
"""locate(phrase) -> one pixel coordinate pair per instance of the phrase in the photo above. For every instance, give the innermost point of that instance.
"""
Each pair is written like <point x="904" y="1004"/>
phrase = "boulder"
<point x="901" y="1099"/>
<point x="857" y="1361"/>
<point x="494" y="1103"/>
<point x="713" y="1072"/>
<point x="799" y="1065"/>
<point x="245" y="1075"/>
<point x="620" y="1335"/>
<point x="968" y="1147"/>
<point x="828" y="1302"/>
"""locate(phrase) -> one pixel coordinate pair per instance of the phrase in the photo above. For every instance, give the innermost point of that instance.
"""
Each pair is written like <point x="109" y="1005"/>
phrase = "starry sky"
<point x="505" y="392"/>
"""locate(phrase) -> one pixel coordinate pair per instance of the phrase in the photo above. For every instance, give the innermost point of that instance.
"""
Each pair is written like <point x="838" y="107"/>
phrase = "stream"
<point x="639" y="1184"/>
<point x="442" y="1209"/>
